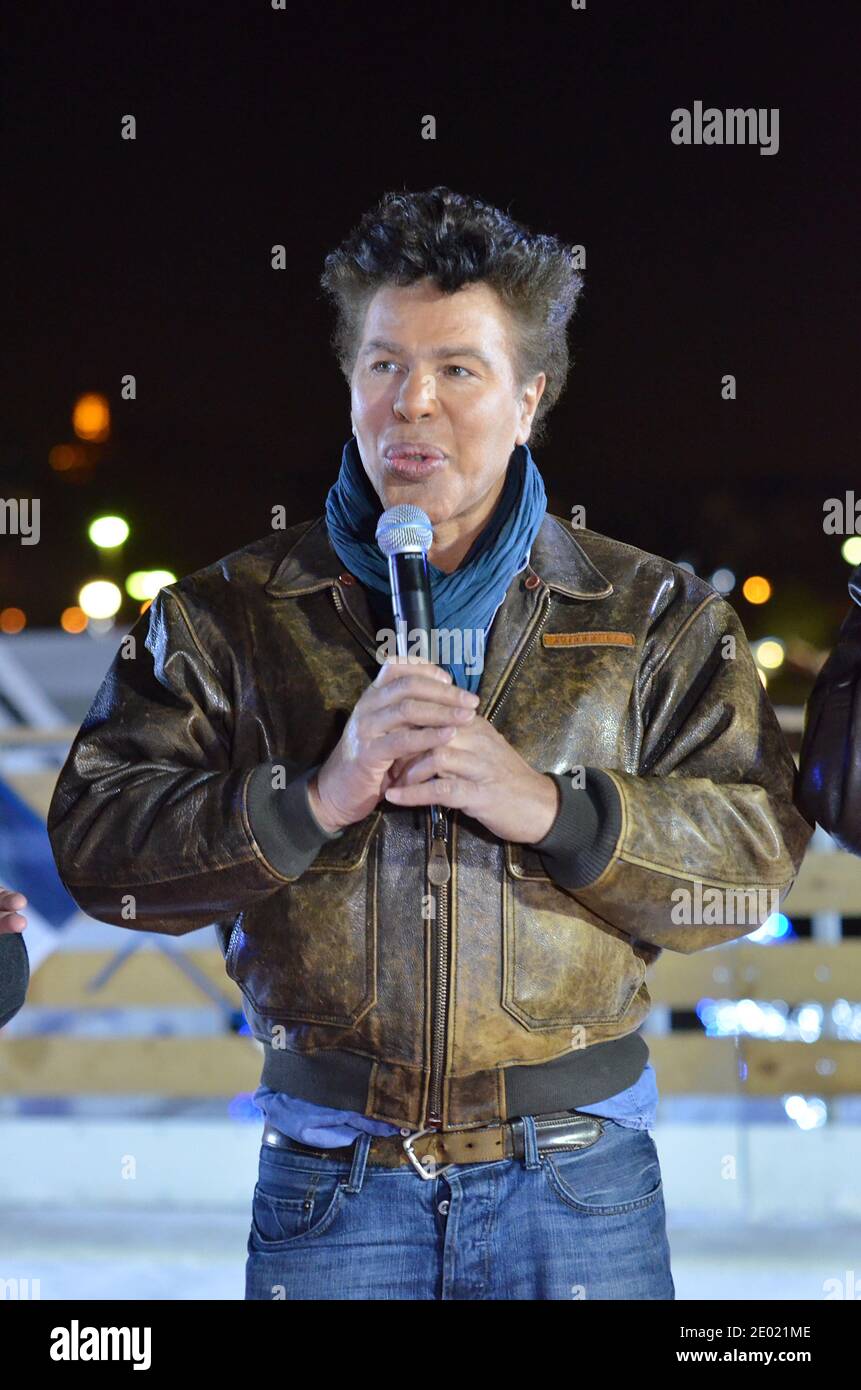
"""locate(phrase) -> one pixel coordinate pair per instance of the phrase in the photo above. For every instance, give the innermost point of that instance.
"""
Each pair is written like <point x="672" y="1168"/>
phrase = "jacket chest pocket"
<point x="309" y="953"/>
<point x="561" y="965"/>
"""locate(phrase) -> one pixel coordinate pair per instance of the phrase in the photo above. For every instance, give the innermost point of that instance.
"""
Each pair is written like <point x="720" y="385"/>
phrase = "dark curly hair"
<point x="455" y="239"/>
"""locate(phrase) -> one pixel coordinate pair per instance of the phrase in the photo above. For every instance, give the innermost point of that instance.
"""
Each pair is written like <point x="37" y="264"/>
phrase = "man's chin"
<point x="421" y="494"/>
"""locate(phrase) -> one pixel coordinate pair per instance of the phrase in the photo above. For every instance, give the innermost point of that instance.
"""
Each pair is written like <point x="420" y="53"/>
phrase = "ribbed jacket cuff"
<point x="282" y="821"/>
<point x="579" y="844"/>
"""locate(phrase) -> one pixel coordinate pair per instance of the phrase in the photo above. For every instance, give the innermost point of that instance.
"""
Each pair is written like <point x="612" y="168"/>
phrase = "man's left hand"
<point x="480" y="773"/>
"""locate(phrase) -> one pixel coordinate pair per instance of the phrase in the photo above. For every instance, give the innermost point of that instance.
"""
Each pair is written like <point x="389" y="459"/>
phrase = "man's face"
<point x="436" y="370"/>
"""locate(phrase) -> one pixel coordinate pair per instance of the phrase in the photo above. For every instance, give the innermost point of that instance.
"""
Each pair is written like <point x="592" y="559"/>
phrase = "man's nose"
<point x="417" y="394"/>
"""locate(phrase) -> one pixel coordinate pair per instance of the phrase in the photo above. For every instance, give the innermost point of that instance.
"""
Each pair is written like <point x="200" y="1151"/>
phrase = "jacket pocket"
<point x="309" y="952"/>
<point x="561" y="964"/>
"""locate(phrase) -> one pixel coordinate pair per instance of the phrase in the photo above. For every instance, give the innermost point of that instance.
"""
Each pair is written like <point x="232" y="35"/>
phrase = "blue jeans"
<point x="587" y="1224"/>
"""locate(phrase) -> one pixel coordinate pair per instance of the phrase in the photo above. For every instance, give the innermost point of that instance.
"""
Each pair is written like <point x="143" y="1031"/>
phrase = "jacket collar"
<point x="557" y="558"/>
<point x="557" y="561"/>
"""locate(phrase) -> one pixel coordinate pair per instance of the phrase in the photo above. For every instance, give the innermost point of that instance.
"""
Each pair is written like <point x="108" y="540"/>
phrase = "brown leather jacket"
<point x="373" y="989"/>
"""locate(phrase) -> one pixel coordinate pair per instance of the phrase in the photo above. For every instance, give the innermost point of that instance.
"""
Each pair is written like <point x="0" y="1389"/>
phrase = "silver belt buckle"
<point x="416" y="1161"/>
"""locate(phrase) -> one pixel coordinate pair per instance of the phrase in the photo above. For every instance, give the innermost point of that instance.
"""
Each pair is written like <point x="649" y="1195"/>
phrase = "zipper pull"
<point x="439" y="868"/>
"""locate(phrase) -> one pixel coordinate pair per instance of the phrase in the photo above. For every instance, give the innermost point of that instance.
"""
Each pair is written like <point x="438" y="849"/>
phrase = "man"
<point x="830" y="760"/>
<point x="458" y="1097"/>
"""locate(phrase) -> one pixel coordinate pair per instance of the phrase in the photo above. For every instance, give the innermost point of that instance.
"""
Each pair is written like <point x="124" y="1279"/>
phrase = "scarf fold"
<point x="468" y="597"/>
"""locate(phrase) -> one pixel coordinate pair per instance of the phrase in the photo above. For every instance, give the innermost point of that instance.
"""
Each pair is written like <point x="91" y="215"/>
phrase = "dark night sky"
<point x="257" y="127"/>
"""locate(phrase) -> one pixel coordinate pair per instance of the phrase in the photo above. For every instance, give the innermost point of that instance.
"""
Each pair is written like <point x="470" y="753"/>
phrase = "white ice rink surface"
<point x="788" y="1226"/>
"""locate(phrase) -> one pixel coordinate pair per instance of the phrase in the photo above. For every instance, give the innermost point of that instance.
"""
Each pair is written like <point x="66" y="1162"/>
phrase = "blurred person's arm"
<point x="830" y="761"/>
<point x="14" y="963"/>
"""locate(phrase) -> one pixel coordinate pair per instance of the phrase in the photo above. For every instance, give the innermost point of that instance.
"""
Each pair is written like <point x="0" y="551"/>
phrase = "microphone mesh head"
<point x="405" y="527"/>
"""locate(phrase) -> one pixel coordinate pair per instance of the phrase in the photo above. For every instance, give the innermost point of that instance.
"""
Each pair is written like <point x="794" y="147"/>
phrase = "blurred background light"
<point x="73" y="619"/>
<point x="807" y="1114"/>
<point x="851" y="550"/>
<point x="769" y="653"/>
<point x="100" y="598"/>
<point x="723" y="580"/>
<point x="12" y="620"/>
<point x="145" y="584"/>
<point x="774" y="928"/>
<point x="756" y="589"/>
<point x="91" y="417"/>
<point x="108" y="531"/>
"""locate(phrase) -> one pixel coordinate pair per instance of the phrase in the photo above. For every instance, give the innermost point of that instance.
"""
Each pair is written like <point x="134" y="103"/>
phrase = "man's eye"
<point x="452" y="367"/>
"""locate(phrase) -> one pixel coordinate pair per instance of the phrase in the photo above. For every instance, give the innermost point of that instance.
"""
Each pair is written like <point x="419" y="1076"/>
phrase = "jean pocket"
<point x="620" y="1173"/>
<point x="292" y="1201"/>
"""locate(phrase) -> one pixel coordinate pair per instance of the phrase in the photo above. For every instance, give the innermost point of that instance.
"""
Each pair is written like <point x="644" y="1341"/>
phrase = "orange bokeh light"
<point x="73" y="619"/>
<point x="64" y="456"/>
<point x="756" y="589"/>
<point x="91" y="417"/>
<point x="12" y="620"/>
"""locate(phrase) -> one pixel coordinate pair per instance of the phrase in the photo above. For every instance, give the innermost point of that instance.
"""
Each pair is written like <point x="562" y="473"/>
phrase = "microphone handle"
<point x="412" y="605"/>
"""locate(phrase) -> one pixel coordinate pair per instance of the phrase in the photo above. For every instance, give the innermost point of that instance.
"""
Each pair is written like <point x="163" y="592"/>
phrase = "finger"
<point x="12" y="921"/>
<point x="439" y="791"/>
<point x="447" y="761"/>
<point x="412" y="712"/>
<point x="406" y="742"/>
<point x="393" y="669"/>
<point x="421" y="685"/>
<point x="10" y="899"/>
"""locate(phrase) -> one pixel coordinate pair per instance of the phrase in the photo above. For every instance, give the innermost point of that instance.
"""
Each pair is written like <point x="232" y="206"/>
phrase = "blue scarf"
<point x="468" y="597"/>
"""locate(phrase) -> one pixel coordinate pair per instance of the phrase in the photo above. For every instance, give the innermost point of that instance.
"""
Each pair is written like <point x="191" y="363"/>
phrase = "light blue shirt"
<point x="322" y="1128"/>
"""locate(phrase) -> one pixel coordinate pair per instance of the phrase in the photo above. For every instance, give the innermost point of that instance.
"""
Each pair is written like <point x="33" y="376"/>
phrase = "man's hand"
<point x="11" y="919"/>
<point x="478" y="771"/>
<point x="411" y="707"/>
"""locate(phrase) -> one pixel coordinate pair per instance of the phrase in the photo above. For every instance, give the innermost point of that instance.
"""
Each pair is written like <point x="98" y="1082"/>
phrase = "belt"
<point x="431" y="1151"/>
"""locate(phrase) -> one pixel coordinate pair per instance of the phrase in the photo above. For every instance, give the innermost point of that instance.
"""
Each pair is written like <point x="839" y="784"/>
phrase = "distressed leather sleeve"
<point x="713" y="798"/>
<point x="149" y="821"/>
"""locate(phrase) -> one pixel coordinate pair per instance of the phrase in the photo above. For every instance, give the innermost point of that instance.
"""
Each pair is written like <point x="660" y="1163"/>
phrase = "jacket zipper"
<point x="358" y="633"/>
<point x="503" y="694"/>
<point x="439" y="874"/>
<point x="233" y="942"/>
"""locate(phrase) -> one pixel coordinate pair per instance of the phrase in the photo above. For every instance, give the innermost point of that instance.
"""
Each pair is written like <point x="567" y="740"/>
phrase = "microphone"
<point x="405" y="535"/>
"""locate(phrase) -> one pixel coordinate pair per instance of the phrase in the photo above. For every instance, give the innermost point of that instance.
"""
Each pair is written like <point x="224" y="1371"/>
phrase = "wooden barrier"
<point x="222" y="1064"/>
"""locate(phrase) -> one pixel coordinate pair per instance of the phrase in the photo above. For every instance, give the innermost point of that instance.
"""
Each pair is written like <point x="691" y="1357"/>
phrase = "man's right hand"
<point x="411" y="707"/>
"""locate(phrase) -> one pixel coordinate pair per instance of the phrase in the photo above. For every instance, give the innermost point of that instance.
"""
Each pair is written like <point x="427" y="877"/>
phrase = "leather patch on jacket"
<point x="577" y="639"/>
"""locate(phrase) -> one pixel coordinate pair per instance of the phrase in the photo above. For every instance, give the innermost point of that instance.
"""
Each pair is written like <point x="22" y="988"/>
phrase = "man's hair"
<point x="455" y="240"/>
